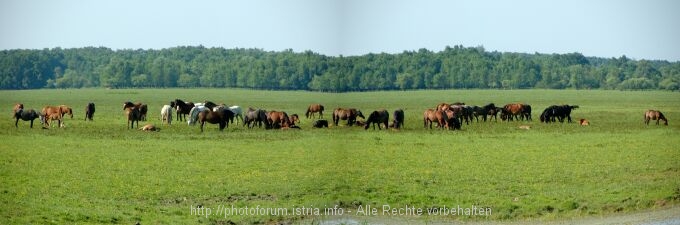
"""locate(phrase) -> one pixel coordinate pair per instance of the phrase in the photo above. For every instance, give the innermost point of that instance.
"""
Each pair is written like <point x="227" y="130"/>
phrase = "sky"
<point x="639" y="29"/>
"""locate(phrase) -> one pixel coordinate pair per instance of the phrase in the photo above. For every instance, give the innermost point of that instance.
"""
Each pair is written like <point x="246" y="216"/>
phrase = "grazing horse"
<point x="51" y="113"/>
<point x="294" y="118"/>
<point x="320" y="123"/>
<point x="513" y="111"/>
<point x="557" y="112"/>
<point x="166" y="114"/>
<point x="277" y="120"/>
<point x="66" y="110"/>
<point x="220" y="117"/>
<point x="89" y="111"/>
<point x="25" y="115"/>
<point x="313" y="109"/>
<point x="398" y="121"/>
<point x="655" y="115"/>
<point x="193" y="114"/>
<point x="254" y="116"/>
<point x="132" y="114"/>
<point x="183" y="108"/>
<point x="350" y="115"/>
<point x="378" y="117"/>
<point x="238" y="113"/>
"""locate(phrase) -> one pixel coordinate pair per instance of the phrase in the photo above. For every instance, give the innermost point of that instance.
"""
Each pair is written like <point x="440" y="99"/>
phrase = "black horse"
<point x="89" y="111"/>
<point x="183" y="108"/>
<point x="556" y="113"/>
<point x="378" y="117"/>
<point x="25" y="115"/>
<point x="398" y="121"/>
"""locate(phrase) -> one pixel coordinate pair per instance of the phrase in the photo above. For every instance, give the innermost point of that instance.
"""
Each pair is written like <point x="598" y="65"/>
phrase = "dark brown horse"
<point x="398" y="121"/>
<point x="313" y="109"/>
<point x="380" y="117"/>
<point x="183" y="108"/>
<point x="25" y="115"/>
<point x="89" y="111"/>
<point x="220" y="117"/>
<point x="132" y="114"/>
<point x="51" y="113"/>
<point x="350" y="115"/>
<point x="655" y="115"/>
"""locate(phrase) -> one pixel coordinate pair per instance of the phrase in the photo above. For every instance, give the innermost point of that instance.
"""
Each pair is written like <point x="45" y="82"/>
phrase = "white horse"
<point x="166" y="114"/>
<point x="193" y="114"/>
<point x="238" y="113"/>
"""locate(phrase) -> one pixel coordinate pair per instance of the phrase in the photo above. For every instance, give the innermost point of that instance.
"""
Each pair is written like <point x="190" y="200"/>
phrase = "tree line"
<point x="454" y="67"/>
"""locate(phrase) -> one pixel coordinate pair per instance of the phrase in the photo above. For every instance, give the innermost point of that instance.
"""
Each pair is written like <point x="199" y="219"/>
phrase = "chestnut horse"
<point x="439" y="116"/>
<point x="350" y="115"/>
<point x="313" y="109"/>
<point x="516" y="111"/>
<point x="655" y="115"/>
<point x="25" y="115"/>
<point x="89" y="111"/>
<point x="66" y="110"/>
<point x="378" y="117"/>
<point x="132" y="114"/>
<point x="278" y="120"/>
<point x="51" y="113"/>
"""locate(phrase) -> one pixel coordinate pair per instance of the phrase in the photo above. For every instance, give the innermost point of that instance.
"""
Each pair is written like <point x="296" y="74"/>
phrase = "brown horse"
<point x="439" y="116"/>
<point x="378" y="117"/>
<point x="17" y="107"/>
<point x="278" y="120"/>
<point x="294" y="119"/>
<point x="220" y="117"/>
<point x="350" y="115"/>
<point x="132" y="114"/>
<point x="51" y="113"/>
<point x="66" y="110"/>
<point x="313" y="109"/>
<point x="655" y="115"/>
<point x="513" y="110"/>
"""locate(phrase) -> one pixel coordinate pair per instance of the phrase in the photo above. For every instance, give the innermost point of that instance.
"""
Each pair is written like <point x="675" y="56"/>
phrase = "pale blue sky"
<point x="648" y="29"/>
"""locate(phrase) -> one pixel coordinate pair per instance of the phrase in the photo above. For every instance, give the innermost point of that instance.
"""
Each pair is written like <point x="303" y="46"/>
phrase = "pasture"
<point x="93" y="172"/>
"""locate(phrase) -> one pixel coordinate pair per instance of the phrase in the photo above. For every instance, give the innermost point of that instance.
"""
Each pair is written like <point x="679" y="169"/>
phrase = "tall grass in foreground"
<point x="100" y="172"/>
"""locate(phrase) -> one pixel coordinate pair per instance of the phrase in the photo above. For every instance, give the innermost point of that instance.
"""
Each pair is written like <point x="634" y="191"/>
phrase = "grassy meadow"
<point x="100" y="172"/>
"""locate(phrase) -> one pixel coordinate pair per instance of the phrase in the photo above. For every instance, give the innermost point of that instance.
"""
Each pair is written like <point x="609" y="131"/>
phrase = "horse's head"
<point x="128" y="105"/>
<point x="359" y="114"/>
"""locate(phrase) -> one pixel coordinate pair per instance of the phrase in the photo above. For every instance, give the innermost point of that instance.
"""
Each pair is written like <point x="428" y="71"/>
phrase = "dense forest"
<point x="454" y="67"/>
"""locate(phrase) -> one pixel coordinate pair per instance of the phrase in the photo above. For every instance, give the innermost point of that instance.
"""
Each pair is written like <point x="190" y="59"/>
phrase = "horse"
<point x="193" y="114"/>
<point x="378" y="117"/>
<point x="294" y="118"/>
<point x="210" y="105"/>
<point x="557" y="112"/>
<point x="183" y="108"/>
<point x="253" y="116"/>
<point x="350" y="115"/>
<point x="66" y="110"/>
<point x="150" y="127"/>
<point x="513" y="110"/>
<point x="238" y="113"/>
<point x="439" y="116"/>
<point x="277" y="120"/>
<point x="655" y="115"/>
<point x="313" y="109"/>
<point x="17" y="107"/>
<point x="89" y="111"/>
<point x="25" y="115"/>
<point x="132" y="114"/>
<point x="166" y="114"/>
<point x="51" y="113"/>
<point x="320" y="123"/>
<point x="453" y="121"/>
<point x="220" y="117"/>
<point x="398" y="121"/>
<point x="584" y="122"/>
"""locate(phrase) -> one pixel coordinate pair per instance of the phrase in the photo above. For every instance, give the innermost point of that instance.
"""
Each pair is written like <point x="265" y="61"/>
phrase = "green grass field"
<point x="100" y="172"/>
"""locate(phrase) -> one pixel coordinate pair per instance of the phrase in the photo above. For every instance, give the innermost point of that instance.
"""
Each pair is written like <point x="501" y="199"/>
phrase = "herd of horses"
<point x="444" y="115"/>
